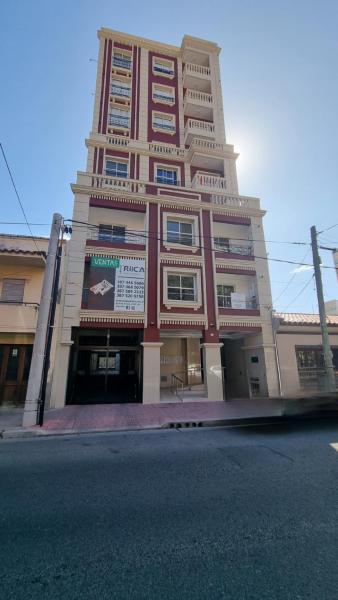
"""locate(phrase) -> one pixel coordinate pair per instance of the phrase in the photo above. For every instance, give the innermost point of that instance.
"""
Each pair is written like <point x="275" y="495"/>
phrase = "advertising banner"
<point x="116" y="284"/>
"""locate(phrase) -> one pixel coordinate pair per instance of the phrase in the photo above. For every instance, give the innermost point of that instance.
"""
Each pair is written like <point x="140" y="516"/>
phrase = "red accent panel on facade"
<point x="102" y="84"/>
<point x="95" y="161"/>
<point x="122" y="46"/>
<point x="117" y="204"/>
<point x="152" y="266"/>
<point x="205" y="197"/>
<point x="158" y="136"/>
<point x="240" y="328"/>
<point x="179" y="194"/>
<point x="182" y="326"/>
<point x="100" y="161"/>
<point x="235" y="271"/>
<point x="112" y="324"/>
<point x="132" y="166"/>
<point x="117" y="153"/>
<point x="135" y="84"/>
<point x="193" y="171"/>
<point x="106" y="97"/>
<point x="231" y="220"/>
<point x="137" y="174"/>
<point x="244" y="312"/>
<point x="126" y="245"/>
<point x="209" y="272"/>
<point x="169" y="163"/>
<point x="233" y="255"/>
<point x="137" y="130"/>
<point x="151" y="334"/>
<point x="211" y="336"/>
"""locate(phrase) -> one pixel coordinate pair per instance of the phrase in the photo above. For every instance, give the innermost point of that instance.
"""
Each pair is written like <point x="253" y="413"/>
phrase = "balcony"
<point x="208" y="183"/>
<point x="120" y="91"/>
<point x="237" y="302"/>
<point x="159" y="125"/>
<point x="122" y="63"/>
<point x="123" y="237"/>
<point x="164" y="98"/>
<point x="119" y="121"/>
<point x="196" y="77"/>
<point x="18" y="317"/>
<point x="194" y="127"/>
<point x="116" y="183"/>
<point x="171" y="151"/>
<point x="198" y="104"/>
<point x="232" y="247"/>
<point x="235" y="201"/>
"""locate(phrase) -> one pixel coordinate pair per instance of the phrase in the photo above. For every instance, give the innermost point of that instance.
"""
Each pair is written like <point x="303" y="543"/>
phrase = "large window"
<point x="224" y="295"/>
<point x="121" y="59"/>
<point x="119" y="118"/>
<point x="182" y="287"/>
<point x="13" y="290"/>
<point x="222" y="243"/>
<point x="163" y="67"/>
<point x="163" y="94"/>
<point x="167" y="176"/>
<point x="120" y="89"/>
<point x="112" y="233"/>
<point x="164" y="122"/>
<point x="115" y="168"/>
<point x="180" y="232"/>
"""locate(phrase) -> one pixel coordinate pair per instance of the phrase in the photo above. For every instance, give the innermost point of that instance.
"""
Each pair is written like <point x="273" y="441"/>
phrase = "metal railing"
<point x="163" y="97"/>
<point x="119" y="121"/>
<point x="164" y="126"/>
<point x="129" y="237"/>
<point x="226" y="302"/>
<point x="166" y="180"/>
<point x="177" y="384"/>
<point x="160" y="69"/>
<point x="314" y="378"/>
<point x="191" y="383"/>
<point x="18" y="303"/>
<point x="120" y="91"/>
<point x="232" y="248"/>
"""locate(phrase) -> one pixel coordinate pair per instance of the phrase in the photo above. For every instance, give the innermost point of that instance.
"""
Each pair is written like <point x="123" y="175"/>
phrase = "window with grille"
<point x="182" y="287"/>
<point x="163" y="67"/>
<point x="119" y="89"/>
<point x="165" y="122"/>
<point x="13" y="290"/>
<point x="179" y="232"/>
<point x="167" y="176"/>
<point x="224" y="295"/>
<point x="121" y="59"/>
<point x="119" y="117"/>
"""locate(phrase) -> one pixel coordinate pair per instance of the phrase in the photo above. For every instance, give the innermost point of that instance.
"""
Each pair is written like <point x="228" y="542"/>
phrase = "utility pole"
<point x="30" y="415"/>
<point x="330" y="375"/>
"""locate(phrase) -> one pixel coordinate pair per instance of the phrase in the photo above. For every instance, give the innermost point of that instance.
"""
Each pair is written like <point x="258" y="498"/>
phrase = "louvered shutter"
<point x="12" y="290"/>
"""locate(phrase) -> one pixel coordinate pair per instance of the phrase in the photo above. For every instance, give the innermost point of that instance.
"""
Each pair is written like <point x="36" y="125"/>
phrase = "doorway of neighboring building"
<point x="235" y="370"/>
<point x="106" y="368"/>
<point x="15" y="360"/>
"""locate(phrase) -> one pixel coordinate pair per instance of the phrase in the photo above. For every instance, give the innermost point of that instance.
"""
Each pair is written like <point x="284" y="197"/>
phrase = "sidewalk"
<point x="119" y="417"/>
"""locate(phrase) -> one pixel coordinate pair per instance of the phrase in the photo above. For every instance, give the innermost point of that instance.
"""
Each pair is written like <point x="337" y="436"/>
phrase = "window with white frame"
<point x="182" y="287"/>
<point x="13" y="290"/>
<point x="224" y="295"/>
<point x="121" y="59"/>
<point x="163" y="67"/>
<point x="119" y="117"/>
<point x="164" y="122"/>
<point x="112" y="233"/>
<point x="180" y="232"/>
<point x="163" y="94"/>
<point x="116" y="168"/>
<point x="119" y="88"/>
<point x="167" y="176"/>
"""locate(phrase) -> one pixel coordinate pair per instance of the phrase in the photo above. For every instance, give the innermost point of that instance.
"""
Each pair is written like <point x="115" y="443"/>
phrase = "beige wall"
<point x="131" y="220"/>
<point x="234" y="232"/>
<point x="286" y="345"/>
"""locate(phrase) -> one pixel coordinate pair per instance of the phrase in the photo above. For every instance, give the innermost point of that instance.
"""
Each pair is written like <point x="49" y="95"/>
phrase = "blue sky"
<point x="280" y="88"/>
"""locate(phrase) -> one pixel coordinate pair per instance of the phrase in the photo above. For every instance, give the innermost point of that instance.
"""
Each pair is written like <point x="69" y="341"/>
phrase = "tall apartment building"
<point x="163" y="283"/>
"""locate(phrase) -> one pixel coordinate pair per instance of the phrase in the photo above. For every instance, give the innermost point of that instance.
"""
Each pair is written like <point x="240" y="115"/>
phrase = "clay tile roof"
<point x="10" y="250"/>
<point x="304" y="319"/>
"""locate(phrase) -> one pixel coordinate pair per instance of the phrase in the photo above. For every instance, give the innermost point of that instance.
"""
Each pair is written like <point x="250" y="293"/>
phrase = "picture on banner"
<point x="116" y="284"/>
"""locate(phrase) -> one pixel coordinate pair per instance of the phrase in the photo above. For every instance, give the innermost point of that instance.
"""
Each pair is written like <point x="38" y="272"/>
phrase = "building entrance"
<point x="106" y="367"/>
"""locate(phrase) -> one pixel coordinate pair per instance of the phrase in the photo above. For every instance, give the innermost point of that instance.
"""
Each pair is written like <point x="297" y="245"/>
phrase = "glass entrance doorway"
<point x="105" y="368"/>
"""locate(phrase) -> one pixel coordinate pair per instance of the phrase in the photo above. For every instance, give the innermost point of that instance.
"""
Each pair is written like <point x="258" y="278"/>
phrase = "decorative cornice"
<point x="109" y="316"/>
<point x="191" y="261"/>
<point x="135" y="40"/>
<point x="179" y="319"/>
<point x="106" y="252"/>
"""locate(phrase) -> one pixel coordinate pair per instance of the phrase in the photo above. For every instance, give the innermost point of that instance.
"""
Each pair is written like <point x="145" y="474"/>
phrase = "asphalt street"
<point x="246" y="513"/>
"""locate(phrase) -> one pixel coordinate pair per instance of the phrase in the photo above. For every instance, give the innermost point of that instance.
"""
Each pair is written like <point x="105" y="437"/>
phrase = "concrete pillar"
<point x="60" y="375"/>
<point x="212" y="365"/>
<point x="151" y="372"/>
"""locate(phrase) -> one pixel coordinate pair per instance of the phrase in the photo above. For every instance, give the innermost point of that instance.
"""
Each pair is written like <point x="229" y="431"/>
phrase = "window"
<point x="119" y="117"/>
<point x="168" y="176"/>
<point x="163" y="67"/>
<point x="164" y="122"/>
<point x="224" y="295"/>
<point x="119" y="89"/>
<point x="13" y="290"/>
<point x="115" y="168"/>
<point x="222" y="244"/>
<point x="112" y="233"/>
<point x="179" y="232"/>
<point x="310" y="358"/>
<point x="163" y="94"/>
<point x="182" y="287"/>
<point x="121" y="59"/>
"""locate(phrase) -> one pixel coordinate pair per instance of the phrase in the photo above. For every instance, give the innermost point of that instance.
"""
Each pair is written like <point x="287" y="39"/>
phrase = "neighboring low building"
<point x="22" y="264"/>
<point x="299" y="347"/>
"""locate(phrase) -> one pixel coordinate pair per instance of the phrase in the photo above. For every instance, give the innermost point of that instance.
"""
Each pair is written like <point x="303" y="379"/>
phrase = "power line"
<point x="24" y="223"/>
<point x="293" y="277"/>
<point x="301" y="291"/>
<point x="328" y="229"/>
<point x="18" y="197"/>
<point x="161" y="239"/>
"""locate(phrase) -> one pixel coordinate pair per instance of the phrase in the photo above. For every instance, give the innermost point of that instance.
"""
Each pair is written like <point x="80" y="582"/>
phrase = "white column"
<point x="151" y="372"/>
<point x="212" y="366"/>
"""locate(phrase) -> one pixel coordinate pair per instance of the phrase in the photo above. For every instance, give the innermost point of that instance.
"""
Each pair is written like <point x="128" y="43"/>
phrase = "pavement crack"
<point x="289" y="458"/>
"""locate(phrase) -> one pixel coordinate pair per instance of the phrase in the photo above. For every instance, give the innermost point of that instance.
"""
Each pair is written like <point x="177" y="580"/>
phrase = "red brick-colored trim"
<point x="126" y="245"/>
<point x="209" y="268"/>
<point x="117" y="204"/>
<point x="177" y="194"/>
<point x="244" y="312"/>
<point x="232" y="220"/>
<point x="110" y="324"/>
<point x="234" y="256"/>
<point x="106" y="97"/>
<point x="104" y="66"/>
<point x="158" y="136"/>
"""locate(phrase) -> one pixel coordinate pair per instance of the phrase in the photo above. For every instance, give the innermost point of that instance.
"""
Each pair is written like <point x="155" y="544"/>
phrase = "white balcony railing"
<point x="197" y="97"/>
<point x="196" y="70"/>
<point x="127" y="237"/>
<point x="196" y="127"/>
<point x="115" y="183"/>
<point x="208" y="182"/>
<point x="201" y="145"/>
<point x="234" y="201"/>
<point x="166" y="150"/>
